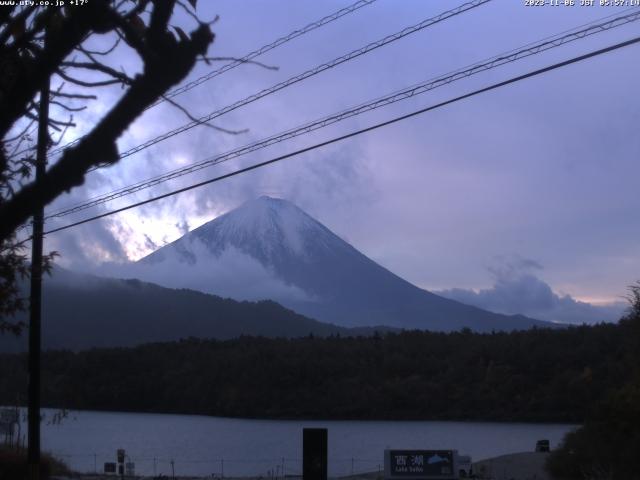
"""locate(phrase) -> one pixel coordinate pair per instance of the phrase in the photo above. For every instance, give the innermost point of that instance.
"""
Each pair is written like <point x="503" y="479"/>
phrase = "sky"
<point x="523" y="198"/>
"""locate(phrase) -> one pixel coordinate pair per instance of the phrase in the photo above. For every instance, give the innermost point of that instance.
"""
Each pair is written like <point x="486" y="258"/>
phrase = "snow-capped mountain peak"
<point x="270" y="230"/>
<point x="272" y="248"/>
<point x="267" y="220"/>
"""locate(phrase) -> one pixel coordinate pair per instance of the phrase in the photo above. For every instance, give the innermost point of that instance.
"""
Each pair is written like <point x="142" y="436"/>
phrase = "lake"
<point x="200" y="445"/>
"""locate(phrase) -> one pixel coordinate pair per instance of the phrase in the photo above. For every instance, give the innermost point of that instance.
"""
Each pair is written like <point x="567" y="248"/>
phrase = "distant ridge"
<point x="84" y="311"/>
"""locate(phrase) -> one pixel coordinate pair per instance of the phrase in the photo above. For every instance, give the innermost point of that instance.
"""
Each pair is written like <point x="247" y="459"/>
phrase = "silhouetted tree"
<point x="39" y="43"/>
<point x="607" y="445"/>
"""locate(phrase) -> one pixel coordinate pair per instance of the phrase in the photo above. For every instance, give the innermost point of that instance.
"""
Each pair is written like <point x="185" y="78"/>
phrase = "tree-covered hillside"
<point x="84" y="311"/>
<point x="536" y="375"/>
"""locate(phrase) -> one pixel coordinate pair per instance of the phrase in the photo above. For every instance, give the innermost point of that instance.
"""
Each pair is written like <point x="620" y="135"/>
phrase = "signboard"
<point x="436" y="464"/>
<point x="110" y="467"/>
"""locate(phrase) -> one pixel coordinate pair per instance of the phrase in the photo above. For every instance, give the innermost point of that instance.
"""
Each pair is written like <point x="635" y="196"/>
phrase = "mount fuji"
<point x="270" y="248"/>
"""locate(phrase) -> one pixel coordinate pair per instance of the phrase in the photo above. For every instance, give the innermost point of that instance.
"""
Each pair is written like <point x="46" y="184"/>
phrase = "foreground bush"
<point x="606" y="447"/>
<point x="13" y="465"/>
<point x="608" y="444"/>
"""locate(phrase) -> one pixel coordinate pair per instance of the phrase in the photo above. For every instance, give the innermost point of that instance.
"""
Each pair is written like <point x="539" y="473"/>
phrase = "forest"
<point x="539" y="375"/>
<point x="588" y="375"/>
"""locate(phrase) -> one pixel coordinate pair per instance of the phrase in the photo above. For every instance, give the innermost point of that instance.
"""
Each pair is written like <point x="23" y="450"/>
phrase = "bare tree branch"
<point x="188" y="11"/>
<point x="206" y="124"/>
<point x="17" y="23"/>
<point x="84" y="83"/>
<point x="99" y="67"/>
<point x="166" y="62"/>
<point x="53" y="121"/>
<point x="103" y="52"/>
<point x="20" y="134"/>
<point x="129" y="34"/>
<point x="26" y="61"/>
<point x="62" y="134"/>
<point x="67" y="107"/>
<point x="74" y="95"/>
<point x="30" y="73"/>
<point x="137" y="10"/>
<point x="234" y="59"/>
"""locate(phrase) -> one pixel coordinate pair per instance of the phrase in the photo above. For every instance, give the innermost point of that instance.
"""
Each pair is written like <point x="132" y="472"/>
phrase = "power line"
<point x="264" y="49"/>
<point x="305" y="75"/>
<point x="355" y="133"/>
<point x="493" y="62"/>
<point x="248" y="57"/>
<point x="309" y="73"/>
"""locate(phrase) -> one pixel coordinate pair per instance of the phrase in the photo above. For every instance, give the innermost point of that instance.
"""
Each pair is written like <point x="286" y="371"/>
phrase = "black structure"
<point x="314" y="454"/>
<point x="35" y="295"/>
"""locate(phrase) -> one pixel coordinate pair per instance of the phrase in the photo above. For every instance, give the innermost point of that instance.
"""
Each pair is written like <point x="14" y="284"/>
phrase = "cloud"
<point x="97" y="243"/>
<point x="183" y="227"/>
<point x="231" y="274"/>
<point x="518" y="290"/>
<point x="524" y="168"/>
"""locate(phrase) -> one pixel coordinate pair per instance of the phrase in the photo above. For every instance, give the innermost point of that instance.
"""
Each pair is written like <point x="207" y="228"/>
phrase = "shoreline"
<point x="513" y="466"/>
<point x="312" y="419"/>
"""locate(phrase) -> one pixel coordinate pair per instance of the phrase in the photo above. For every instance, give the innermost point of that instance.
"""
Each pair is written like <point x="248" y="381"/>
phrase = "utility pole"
<point x="35" y="303"/>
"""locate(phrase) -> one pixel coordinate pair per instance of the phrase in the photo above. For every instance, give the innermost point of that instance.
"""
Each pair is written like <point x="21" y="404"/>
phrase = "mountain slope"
<point x="83" y="311"/>
<point x="332" y="281"/>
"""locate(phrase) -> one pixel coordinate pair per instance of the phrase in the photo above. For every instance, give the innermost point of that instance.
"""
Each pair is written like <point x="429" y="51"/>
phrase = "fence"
<point x="219" y="468"/>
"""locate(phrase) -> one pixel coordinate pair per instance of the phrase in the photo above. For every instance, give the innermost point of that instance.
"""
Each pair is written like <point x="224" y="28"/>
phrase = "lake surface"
<point x="204" y="446"/>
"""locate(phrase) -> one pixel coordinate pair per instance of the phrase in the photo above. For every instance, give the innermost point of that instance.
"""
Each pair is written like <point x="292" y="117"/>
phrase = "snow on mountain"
<point x="270" y="248"/>
<point x="269" y="230"/>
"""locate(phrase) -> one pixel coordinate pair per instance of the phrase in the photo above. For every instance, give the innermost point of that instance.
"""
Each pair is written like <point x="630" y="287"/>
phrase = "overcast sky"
<point x="544" y="171"/>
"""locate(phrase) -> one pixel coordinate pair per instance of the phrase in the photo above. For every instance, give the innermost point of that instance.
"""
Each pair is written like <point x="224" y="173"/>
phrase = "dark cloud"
<point x="231" y="274"/>
<point x="149" y="243"/>
<point x="94" y="243"/>
<point x="518" y="290"/>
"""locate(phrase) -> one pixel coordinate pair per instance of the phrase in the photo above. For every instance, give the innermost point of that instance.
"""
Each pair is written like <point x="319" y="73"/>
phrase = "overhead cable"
<point x="266" y="48"/>
<point x="250" y="56"/>
<point x="355" y="133"/>
<point x="305" y="75"/>
<point x="508" y="57"/>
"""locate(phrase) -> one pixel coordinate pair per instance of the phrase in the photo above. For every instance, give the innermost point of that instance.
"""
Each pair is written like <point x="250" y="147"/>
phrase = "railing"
<point x="281" y="468"/>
